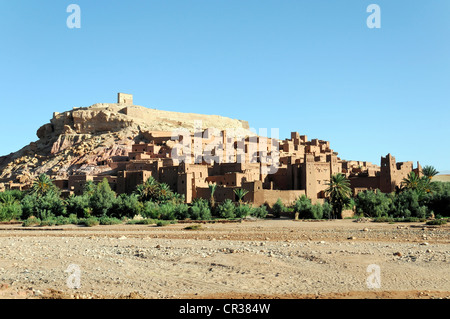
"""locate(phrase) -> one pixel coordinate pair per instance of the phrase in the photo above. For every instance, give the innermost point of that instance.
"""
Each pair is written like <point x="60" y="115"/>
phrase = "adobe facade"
<point x="303" y="167"/>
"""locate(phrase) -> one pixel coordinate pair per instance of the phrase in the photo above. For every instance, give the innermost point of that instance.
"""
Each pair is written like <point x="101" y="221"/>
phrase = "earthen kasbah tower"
<point x="126" y="144"/>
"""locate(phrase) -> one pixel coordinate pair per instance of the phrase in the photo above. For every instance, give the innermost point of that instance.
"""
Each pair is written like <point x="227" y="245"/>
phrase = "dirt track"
<point x="252" y="259"/>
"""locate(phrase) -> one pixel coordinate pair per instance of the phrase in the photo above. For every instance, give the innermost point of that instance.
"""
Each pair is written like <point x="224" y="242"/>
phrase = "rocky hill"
<point x="74" y="141"/>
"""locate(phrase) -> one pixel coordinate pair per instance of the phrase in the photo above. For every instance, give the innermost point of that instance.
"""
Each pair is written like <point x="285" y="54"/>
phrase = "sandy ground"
<point x="250" y="259"/>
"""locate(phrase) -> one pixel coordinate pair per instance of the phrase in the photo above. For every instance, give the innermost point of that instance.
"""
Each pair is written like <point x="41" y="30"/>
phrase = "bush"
<point x="78" y="205"/>
<point x="181" y="211"/>
<point x="161" y="223"/>
<point x="242" y="211"/>
<point x="259" y="212"/>
<point x="200" y="210"/>
<point x="327" y="210"/>
<point x="126" y="206"/>
<point x="10" y="211"/>
<point x="31" y="221"/>
<point x="167" y="211"/>
<point x="410" y="203"/>
<point x="194" y="227"/>
<point x="437" y="222"/>
<point x="373" y="204"/>
<point x="145" y="221"/>
<point x="89" y="222"/>
<point x="306" y="210"/>
<point x="317" y="211"/>
<point x="61" y="220"/>
<point x="226" y="209"/>
<point x="150" y="210"/>
<point x="48" y="222"/>
<point x="278" y="208"/>
<point x="439" y="199"/>
<point x="43" y="206"/>
<point x="105" y="220"/>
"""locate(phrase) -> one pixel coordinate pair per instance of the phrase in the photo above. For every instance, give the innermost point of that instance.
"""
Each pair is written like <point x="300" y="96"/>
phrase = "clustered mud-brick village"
<point x="126" y="144"/>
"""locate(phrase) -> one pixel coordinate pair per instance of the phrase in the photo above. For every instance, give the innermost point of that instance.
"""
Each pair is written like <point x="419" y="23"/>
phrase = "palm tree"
<point x="164" y="192"/>
<point x="42" y="185"/>
<point x="240" y="193"/>
<point x="148" y="189"/>
<point x="429" y="171"/>
<point x="212" y="188"/>
<point x="338" y="192"/>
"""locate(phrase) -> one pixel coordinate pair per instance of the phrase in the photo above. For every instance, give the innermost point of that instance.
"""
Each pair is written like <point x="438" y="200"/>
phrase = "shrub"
<point x="126" y="206"/>
<point x="48" y="222"/>
<point x="61" y="220"/>
<point x="226" y="209"/>
<point x="259" y="212"/>
<point x="31" y="221"/>
<point x="317" y="211"/>
<point x="150" y="210"/>
<point x="303" y="207"/>
<point x="194" y="227"/>
<point x="167" y="211"/>
<point x="105" y="220"/>
<point x="439" y="199"/>
<point x="10" y="210"/>
<point x="181" y="211"/>
<point x="437" y="222"/>
<point x="73" y="219"/>
<point x="161" y="223"/>
<point x="200" y="210"/>
<point x="89" y="222"/>
<point x="327" y="210"/>
<point x="242" y="211"/>
<point x="78" y="205"/>
<point x="373" y="204"/>
<point x="410" y="203"/>
<point x="145" y="221"/>
<point x="43" y="206"/>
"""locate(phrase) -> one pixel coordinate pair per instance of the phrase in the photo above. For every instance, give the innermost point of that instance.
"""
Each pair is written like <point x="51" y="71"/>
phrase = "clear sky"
<point x="308" y="66"/>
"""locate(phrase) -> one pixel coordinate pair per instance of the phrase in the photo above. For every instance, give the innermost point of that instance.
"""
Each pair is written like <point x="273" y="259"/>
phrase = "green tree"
<point x="240" y="193"/>
<point x="126" y="206"/>
<point x="102" y="200"/>
<point x="78" y="205"/>
<point x="412" y="181"/>
<point x="43" y="206"/>
<point x="373" y="204"/>
<point x="42" y="185"/>
<point x="338" y="193"/>
<point x="148" y="190"/>
<point x="429" y="171"/>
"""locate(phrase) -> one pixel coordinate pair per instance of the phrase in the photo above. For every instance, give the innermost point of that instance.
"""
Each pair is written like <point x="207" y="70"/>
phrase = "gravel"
<point x="258" y="258"/>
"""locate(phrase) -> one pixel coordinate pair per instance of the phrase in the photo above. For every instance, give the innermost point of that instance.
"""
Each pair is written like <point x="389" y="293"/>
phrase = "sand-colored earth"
<point x="267" y="259"/>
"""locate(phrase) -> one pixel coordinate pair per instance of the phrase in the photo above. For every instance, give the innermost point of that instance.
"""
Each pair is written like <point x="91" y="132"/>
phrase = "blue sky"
<point x="307" y="66"/>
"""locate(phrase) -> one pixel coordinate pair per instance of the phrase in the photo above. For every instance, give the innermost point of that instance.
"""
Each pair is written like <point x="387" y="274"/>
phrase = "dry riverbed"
<point x="249" y="259"/>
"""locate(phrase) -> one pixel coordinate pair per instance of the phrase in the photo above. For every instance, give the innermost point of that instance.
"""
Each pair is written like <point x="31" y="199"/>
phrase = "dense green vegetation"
<point x="42" y="205"/>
